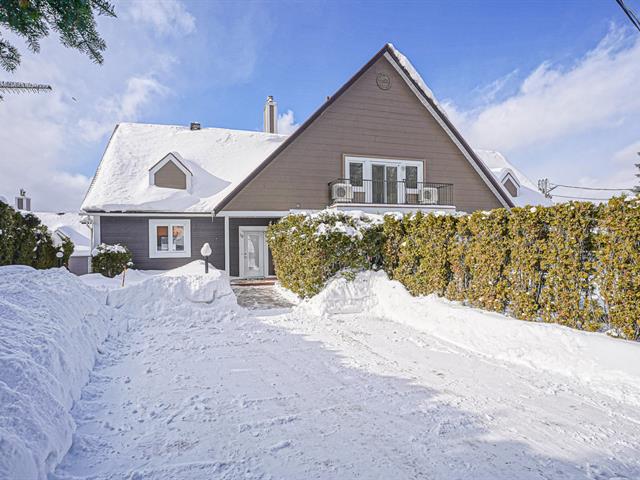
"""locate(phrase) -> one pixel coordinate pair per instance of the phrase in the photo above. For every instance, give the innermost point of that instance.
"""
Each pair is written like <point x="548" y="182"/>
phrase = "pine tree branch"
<point x="22" y="87"/>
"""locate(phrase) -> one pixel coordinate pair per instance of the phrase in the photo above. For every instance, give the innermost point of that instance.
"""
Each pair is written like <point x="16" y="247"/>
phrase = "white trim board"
<point x="169" y="222"/>
<point x="227" y="255"/>
<point x="177" y="160"/>
<point x="446" y="128"/>
<point x="149" y="214"/>
<point x="254" y="213"/>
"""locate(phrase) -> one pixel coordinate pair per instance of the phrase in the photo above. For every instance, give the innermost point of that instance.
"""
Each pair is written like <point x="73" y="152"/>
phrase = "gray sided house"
<point x="380" y="143"/>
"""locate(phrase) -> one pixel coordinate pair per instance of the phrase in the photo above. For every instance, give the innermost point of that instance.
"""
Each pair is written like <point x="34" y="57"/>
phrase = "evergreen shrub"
<point x="24" y="240"/>
<point x="308" y="249"/>
<point x="618" y="264"/>
<point x="110" y="260"/>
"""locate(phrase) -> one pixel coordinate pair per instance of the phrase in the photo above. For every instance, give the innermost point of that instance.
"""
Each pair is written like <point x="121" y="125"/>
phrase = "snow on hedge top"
<point x="499" y="165"/>
<point x="218" y="158"/>
<point x="69" y="225"/>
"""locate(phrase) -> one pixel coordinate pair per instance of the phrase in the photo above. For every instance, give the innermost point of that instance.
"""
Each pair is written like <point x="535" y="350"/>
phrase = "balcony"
<point x="382" y="192"/>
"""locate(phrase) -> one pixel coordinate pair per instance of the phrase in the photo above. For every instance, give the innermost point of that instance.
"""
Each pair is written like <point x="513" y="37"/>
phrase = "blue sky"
<point x="552" y="84"/>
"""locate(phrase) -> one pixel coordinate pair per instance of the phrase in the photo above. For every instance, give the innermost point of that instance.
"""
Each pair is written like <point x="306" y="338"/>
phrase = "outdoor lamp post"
<point x="59" y="256"/>
<point x="205" y="251"/>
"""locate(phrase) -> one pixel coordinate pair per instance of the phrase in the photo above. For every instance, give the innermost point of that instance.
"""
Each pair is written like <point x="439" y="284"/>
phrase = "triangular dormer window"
<point x="171" y="172"/>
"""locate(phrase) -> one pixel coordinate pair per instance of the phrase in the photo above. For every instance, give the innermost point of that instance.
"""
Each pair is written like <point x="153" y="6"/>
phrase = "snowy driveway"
<point x="202" y="391"/>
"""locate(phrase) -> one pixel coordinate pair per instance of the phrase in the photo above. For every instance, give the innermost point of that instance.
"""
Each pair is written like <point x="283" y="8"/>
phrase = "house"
<point x="380" y="143"/>
<point x="522" y="190"/>
<point x="74" y="227"/>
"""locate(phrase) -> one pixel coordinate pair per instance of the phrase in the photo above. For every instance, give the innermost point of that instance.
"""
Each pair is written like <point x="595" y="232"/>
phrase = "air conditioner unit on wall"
<point x="429" y="195"/>
<point x="342" y="192"/>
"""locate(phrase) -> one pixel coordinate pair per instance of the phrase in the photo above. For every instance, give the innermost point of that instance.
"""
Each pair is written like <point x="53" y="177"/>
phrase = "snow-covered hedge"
<point x="576" y="264"/>
<point x="50" y="327"/>
<point x="110" y="260"/>
<point x="25" y="241"/>
<point x="308" y="249"/>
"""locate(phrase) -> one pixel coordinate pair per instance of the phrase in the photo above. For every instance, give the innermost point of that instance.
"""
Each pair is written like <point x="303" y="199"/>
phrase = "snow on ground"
<point x="50" y="328"/>
<point x="359" y="382"/>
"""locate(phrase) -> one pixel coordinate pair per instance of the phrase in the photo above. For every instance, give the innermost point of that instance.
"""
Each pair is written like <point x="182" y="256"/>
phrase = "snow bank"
<point x="50" y="327"/>
<point x="607" y="365"/>
<point x="158" y="293"/>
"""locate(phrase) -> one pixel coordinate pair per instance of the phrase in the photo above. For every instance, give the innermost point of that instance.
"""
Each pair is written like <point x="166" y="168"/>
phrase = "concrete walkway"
<point x="262" y="297"/>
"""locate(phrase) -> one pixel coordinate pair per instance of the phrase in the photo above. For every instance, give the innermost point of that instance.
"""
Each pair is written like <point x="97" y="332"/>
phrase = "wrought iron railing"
<point x="344" y="191"/>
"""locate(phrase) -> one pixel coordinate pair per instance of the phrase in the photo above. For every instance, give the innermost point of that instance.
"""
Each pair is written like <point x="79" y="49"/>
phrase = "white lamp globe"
<point x="205" y="251"/>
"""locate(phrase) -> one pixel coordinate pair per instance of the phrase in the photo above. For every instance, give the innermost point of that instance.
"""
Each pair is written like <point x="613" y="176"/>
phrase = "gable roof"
<point x="501" y="167"/>
<point x="174" y="157"/>
<point x="218" y="158"/>
<point x="425" y="95"/>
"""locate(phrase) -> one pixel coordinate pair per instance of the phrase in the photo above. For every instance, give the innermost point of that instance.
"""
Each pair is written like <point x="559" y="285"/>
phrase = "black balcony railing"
<point x="344" y="191"/>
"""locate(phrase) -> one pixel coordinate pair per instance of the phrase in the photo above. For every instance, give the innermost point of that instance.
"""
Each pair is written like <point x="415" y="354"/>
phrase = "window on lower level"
<point x="169" y="238"/>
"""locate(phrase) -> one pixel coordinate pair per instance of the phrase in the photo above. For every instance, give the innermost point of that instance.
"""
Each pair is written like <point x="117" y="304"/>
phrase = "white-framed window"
<point x="378" y="178"/>
<point x="169" y="238"/>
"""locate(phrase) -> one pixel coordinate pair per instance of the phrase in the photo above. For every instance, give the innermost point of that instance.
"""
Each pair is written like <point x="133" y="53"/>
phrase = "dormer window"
<point x="171" y="172"/>
<point x="511" y="184"/>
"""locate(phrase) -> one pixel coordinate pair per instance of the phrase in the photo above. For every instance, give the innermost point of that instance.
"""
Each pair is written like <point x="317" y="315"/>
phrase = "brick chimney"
<point x="270" y="115"/>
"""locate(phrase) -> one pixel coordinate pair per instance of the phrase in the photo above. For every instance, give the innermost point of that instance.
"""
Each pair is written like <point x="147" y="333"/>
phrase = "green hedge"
<point x="309" y="249"/>
<point x="25" y="241"/>
<point x="618" y="257"/>
<point x="110" y="260"/>
<point x="576" y="264"/>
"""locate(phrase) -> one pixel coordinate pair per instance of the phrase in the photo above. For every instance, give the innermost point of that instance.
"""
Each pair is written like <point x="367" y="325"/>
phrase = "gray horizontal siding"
<point x="79" y="265"/>
<point x="364" y="120"/>
<point x="133" y="232"/>
<point x="234" y="242"/>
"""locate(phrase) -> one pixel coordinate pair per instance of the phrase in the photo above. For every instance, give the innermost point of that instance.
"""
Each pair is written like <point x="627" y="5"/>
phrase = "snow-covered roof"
<point x="218" y="158"/>
<point x="413" y="73"/>
<point x="501" y="167"/>
<point x="70" y="226"/>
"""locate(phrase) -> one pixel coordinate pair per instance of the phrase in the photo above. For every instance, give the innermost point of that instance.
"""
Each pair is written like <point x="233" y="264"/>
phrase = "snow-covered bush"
<point x="308" y="249"/>
<point x="26" y="241"/>
<point x="50" y="327"/>
<point x="110" y="260"/>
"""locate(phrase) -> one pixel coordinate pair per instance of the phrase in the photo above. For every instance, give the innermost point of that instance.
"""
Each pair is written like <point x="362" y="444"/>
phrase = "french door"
<point x="384" y="184"/>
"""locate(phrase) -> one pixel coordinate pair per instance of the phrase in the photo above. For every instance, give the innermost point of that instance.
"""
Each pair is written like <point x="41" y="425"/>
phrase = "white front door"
<point x="254" y="260"/>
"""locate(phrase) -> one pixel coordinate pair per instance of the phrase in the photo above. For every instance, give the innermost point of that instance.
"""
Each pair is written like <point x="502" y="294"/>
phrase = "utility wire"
<point x="591" y="188"/>
<point x="633" y="18"/>
<point x="582" y="198"/>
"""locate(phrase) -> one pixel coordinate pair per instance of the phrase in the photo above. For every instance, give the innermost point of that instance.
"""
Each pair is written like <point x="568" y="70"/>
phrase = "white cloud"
<point x="575" y="125"/>
<point x="552" y="102"/>
<point x="166" y="17"/>
<point x="122" y="107"/>
<point x="286" y="123"/>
